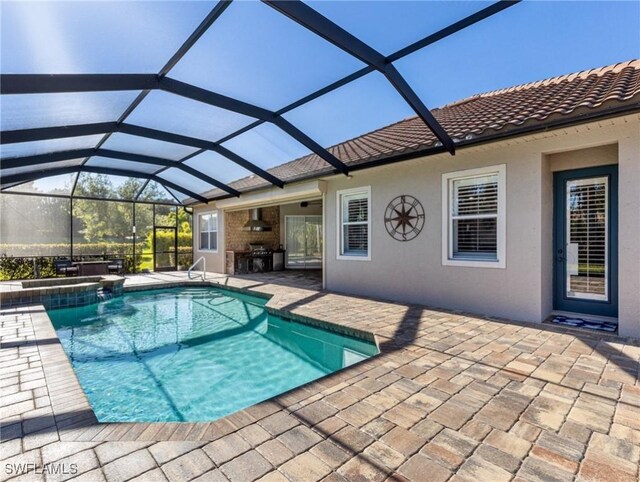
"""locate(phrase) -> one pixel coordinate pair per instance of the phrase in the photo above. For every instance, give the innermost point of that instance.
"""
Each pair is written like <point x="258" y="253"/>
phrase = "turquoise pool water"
<point x="192" y="354"/>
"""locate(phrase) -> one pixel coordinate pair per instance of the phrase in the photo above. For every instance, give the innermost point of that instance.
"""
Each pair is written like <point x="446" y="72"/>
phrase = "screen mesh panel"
<point x="275" y="58"/>
<point x="488" y="46"/>
<point x="45" y="231"/>
<point x="218" y="167"/>
<point x="147" y="147"/>
<point x="257" y="55"/>
<point x="95" y="37"/>
<point x="178" y="195"/>
<point x="48" y="166"/>
<point x="183" y="179"/>
<point x="185" y="241"/>
<point x="361" y="106"/>
<point x="266" y="146"/>
<point x="33" y="148"/>
<point x="155" y="192"/>
<point x="144" y="236"/>
<point x="389" y="26"/>
<point x="120" y="164"/>
<point x="59" y="185"/>
<point x="102" y="228"/>
<point x="179" y="115"/>
<point x="165" y="216"/>
<point x="49" y="110"/>
<point x="107" y="186"/>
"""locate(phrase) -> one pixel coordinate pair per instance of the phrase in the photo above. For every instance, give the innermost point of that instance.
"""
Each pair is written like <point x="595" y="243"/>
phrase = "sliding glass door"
<point x="303" y="242"/>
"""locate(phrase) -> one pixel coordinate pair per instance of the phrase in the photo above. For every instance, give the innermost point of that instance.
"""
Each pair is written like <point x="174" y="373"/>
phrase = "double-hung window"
<point x="208" y="231"/>
<point x="354" y="224"/>
<point x="474" y="217"/>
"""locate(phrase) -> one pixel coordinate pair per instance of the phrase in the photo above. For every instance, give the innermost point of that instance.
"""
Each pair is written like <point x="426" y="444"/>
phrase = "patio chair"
<point x="116" y="266"/>
<point x="63" y="267"/>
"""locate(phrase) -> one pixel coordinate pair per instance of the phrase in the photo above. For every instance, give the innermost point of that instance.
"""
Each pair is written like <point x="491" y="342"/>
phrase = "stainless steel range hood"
<point x="255" y="222"/>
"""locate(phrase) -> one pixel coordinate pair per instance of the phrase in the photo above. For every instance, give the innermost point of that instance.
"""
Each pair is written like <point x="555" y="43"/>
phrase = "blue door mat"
<point x="598" y="325"/>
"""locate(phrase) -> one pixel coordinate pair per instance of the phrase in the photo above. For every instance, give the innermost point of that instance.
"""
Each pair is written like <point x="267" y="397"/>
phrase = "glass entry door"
<point x="303" y="241"/>
<point x="586" y="241"/>
<point x="165" y="248"/>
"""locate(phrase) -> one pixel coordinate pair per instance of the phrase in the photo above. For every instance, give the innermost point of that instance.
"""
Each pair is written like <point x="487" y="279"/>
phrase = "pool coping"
<point x="272" y="299"/>
<point x="74" y="415"/>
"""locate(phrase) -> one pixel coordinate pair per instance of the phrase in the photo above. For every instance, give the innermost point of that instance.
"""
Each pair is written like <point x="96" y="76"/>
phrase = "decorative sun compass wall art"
<point x="404" y="218"/>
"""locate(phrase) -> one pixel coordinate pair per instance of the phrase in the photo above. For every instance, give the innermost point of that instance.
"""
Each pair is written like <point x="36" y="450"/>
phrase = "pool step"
<point x="198" y="294"/>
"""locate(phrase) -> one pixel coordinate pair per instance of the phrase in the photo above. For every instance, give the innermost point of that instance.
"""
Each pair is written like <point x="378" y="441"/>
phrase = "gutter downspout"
<point x="324" y="241"/>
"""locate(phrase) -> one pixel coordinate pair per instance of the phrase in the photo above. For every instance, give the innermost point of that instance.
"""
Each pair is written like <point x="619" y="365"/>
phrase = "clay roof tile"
<point x="478" y="116"/>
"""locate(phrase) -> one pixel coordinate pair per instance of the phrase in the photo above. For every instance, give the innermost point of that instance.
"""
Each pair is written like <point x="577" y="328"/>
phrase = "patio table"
<point x="88" y="268"/>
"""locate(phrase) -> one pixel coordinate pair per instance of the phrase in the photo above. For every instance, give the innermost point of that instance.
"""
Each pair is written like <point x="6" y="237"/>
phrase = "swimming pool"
<point x="193" y="354"/>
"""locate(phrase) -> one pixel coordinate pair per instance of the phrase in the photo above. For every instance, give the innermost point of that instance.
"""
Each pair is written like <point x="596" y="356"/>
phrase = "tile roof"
<point x="567" y="97"/>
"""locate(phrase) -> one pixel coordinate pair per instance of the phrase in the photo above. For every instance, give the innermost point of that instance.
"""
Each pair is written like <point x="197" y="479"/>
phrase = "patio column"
<point x="629" y="232"/>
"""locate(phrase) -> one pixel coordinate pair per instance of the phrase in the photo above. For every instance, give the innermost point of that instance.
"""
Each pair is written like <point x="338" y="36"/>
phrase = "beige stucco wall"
<point x="629" y="231"/>
<point x="215" y="261"/>
<point x="413" y="271"/>
<point x="583" y="158"/>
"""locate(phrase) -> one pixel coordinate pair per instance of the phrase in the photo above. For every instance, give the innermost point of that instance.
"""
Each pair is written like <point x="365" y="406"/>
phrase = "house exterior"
<point x="537" y="213"/>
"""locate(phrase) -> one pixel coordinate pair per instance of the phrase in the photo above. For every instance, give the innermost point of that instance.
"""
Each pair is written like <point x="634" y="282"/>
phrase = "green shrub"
<point x="21" y="264"/>
<point x="24" y="268"/>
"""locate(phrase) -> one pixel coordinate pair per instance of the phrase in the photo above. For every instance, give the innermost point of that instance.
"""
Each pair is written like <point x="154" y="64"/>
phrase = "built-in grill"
<point x="258" y="250"/>
<point x="261" y="258"/>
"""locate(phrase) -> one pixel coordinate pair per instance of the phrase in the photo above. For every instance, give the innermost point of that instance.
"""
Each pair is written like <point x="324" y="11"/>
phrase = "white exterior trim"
<point x="339" y="240"/>
<point x="324" y="240"/>
<point x="274" y="196"/>
<point x="447" y="238"/>
<point x="197" y="241"/>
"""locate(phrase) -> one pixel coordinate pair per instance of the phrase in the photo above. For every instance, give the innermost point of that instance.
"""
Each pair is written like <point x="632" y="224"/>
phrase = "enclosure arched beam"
<point x="61" y="83"/>
<point x="12" y="83"/>
<point x="43" y="159"/>
<point x="42" y="173"/>
<point x="414" y="47"/>
<point x="309" y="18"/>
<point x="59" y="132"/>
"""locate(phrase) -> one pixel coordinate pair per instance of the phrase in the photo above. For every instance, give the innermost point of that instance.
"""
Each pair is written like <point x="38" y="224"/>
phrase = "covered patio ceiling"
<point x="180" y="127"/>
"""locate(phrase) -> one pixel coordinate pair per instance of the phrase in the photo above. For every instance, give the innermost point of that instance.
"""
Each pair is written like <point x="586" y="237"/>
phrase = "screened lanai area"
<point x="118" y="118"/>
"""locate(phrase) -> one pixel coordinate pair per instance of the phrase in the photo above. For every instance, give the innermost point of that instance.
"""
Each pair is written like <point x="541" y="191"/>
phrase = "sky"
<point x="257" y="55"/>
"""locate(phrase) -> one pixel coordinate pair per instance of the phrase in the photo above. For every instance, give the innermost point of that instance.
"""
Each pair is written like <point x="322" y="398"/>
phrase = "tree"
<point x="104" y="220"/>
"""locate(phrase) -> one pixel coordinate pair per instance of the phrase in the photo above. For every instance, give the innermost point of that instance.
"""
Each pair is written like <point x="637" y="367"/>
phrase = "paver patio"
<point x="452" y="396"/>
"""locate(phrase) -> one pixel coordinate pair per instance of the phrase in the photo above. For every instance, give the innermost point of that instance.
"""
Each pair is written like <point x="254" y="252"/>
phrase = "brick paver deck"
<point x="451" y="397"/>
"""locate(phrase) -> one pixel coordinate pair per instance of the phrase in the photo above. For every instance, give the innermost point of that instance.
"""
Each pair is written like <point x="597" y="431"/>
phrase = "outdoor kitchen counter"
<point x="248" y="261"/>
<point x="232" y="259"/>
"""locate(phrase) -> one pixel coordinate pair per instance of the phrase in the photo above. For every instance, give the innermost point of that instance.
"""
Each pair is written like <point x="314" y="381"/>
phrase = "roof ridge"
<point x="494" y="114"/>
<point x="584" y="73"/>
<point x="612" y="68"/>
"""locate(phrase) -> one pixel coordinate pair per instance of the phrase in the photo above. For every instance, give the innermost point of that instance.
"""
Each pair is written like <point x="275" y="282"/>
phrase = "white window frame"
<point x="205" y="213"/>
<point x="447" y="224"/>
<point x="365" y="190"/>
